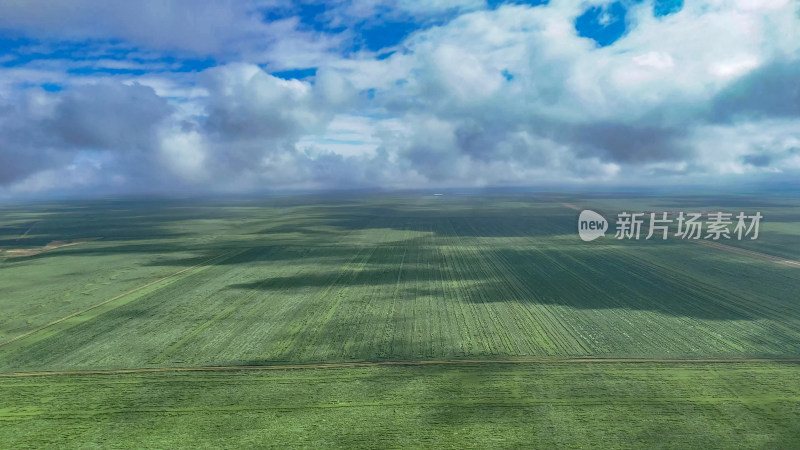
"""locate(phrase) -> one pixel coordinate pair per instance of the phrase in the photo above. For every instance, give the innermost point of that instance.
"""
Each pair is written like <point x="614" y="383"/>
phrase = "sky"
<point x="104" y="97"/>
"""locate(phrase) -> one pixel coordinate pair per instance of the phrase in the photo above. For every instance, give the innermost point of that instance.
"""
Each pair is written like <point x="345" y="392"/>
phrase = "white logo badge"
<point x="591" y="225"/>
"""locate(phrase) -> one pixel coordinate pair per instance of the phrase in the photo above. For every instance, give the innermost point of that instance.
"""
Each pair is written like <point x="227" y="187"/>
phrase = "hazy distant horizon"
<point x="761" y="191"/>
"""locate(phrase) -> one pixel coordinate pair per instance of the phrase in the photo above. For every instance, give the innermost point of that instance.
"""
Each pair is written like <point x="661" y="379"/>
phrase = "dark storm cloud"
<point x="110" y="116"/>
<point x="764" y="159"/>
<point x="473" y="139"/>
<point x="25" y="147"/>
<point x="17" y="161"/>
<point x="434" y="162"/>
<point x="42" y="131"/>
<point x="196" y="26"/>
<point x="630" y="144"/>
<point x="757" y="160"/>
<point x="330" y="169"/>
<point x="769" y="91"/>
<point x="488" y="140"/>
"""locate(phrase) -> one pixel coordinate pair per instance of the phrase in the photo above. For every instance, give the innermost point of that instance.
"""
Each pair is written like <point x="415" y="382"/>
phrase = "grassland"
<point x="309" y="280"/>
<point x="463" y="406"/>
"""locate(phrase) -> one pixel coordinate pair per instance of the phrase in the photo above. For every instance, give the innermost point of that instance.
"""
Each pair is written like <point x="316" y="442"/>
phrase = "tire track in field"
<point x="751" y="253"/>
<point x="223" y="256"/>
<point x="28" y="230"/>
<point x="424" y="362"/>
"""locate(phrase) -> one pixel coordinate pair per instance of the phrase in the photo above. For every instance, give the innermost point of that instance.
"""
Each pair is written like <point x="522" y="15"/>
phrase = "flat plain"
<point x="456" y="286"/>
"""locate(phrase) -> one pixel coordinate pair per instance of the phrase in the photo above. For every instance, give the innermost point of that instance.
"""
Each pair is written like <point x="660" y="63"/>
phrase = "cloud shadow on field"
<point x="462" y="245"/>
<point x="573" y="276"/>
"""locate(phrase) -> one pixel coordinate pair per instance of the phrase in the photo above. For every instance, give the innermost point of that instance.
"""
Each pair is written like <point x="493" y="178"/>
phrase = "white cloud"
<point x="184" y="153"/>
<point x="505" y="96"/>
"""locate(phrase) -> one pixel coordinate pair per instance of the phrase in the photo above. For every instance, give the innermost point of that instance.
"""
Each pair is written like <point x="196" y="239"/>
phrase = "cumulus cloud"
<point x="633" y="105"/>
<point x="46" y="131"/>
<point x="246" y="103"/>
<point x="474" y="95"/>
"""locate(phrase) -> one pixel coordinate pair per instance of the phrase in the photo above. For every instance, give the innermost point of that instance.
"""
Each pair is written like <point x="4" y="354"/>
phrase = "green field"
<point x="380" y="278"/>
<point x="500" y="405"/>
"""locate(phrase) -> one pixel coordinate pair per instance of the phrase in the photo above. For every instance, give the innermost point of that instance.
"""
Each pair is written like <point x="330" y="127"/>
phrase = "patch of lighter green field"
<point x="36" y="290"/>
<point x="577" y="405"/>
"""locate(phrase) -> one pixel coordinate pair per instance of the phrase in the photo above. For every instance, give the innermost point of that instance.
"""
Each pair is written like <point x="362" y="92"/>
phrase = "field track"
<point x="29" y="229"/>
<point x="741" y="251"/>
<point x="343" y="365"/>
<point x="223" y="256"/>
<point x="52" y="245"/>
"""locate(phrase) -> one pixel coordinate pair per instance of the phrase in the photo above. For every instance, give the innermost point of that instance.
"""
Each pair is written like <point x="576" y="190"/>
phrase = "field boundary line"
<point x="431" y="362"/>
<point x="104" y="302"/>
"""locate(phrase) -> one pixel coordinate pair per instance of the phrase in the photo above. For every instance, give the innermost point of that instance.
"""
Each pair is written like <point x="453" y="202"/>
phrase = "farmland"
<point x="469" y="405"/>
<point x="311" y="280"/>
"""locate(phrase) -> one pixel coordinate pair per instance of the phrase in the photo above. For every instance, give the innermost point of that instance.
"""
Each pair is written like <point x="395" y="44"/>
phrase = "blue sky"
<point x="603" y="23"/>
<point x="224" y="96"/>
